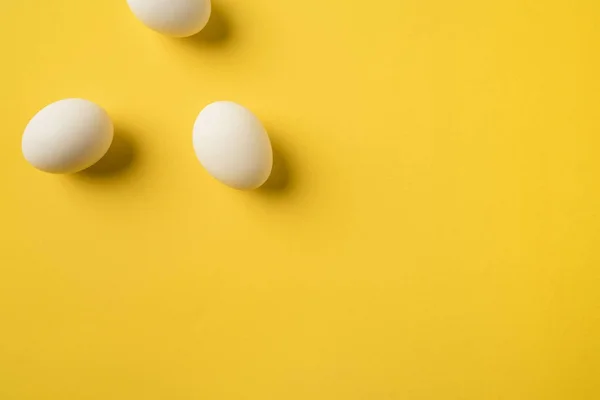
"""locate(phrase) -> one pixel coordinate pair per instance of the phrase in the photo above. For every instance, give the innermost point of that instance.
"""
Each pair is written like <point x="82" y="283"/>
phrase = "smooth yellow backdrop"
<point x="432" y="233"/>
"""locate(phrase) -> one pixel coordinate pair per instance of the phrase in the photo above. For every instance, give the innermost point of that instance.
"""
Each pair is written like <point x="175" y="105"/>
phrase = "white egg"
<point x="67" y="136"/>
<point x="178" y="18"/>
<point x="233" y="146"/>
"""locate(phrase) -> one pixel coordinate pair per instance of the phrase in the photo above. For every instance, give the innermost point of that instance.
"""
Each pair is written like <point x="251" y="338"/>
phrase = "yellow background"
<point x="432" y="232"/>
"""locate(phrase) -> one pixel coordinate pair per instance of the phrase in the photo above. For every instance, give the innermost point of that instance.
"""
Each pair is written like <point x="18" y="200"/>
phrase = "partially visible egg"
<point x="67" y="136"/>
<point x="233" y="146"/>
<point x="177" y="18"/>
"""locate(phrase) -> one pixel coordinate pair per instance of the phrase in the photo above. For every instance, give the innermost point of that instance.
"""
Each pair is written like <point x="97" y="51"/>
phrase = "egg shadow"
<point x="119" y="159"/>
<point x="282" y="179"/>
<point x="217" y="32"/>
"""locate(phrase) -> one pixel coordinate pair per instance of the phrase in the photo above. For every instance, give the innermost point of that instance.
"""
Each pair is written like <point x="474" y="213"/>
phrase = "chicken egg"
<point x="177" y="18"/>
<point x="232" y="145"/>
<point x="67" y="136"/>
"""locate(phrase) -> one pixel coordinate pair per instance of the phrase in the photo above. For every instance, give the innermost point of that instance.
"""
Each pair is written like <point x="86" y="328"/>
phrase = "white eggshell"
<point x="177" y="18"/>
<point x="67" y="136"/>
<point x="233" y="146"/>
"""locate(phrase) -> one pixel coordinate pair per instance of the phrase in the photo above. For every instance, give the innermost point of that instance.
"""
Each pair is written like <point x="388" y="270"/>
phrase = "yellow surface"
<point x="433" y="232"/>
